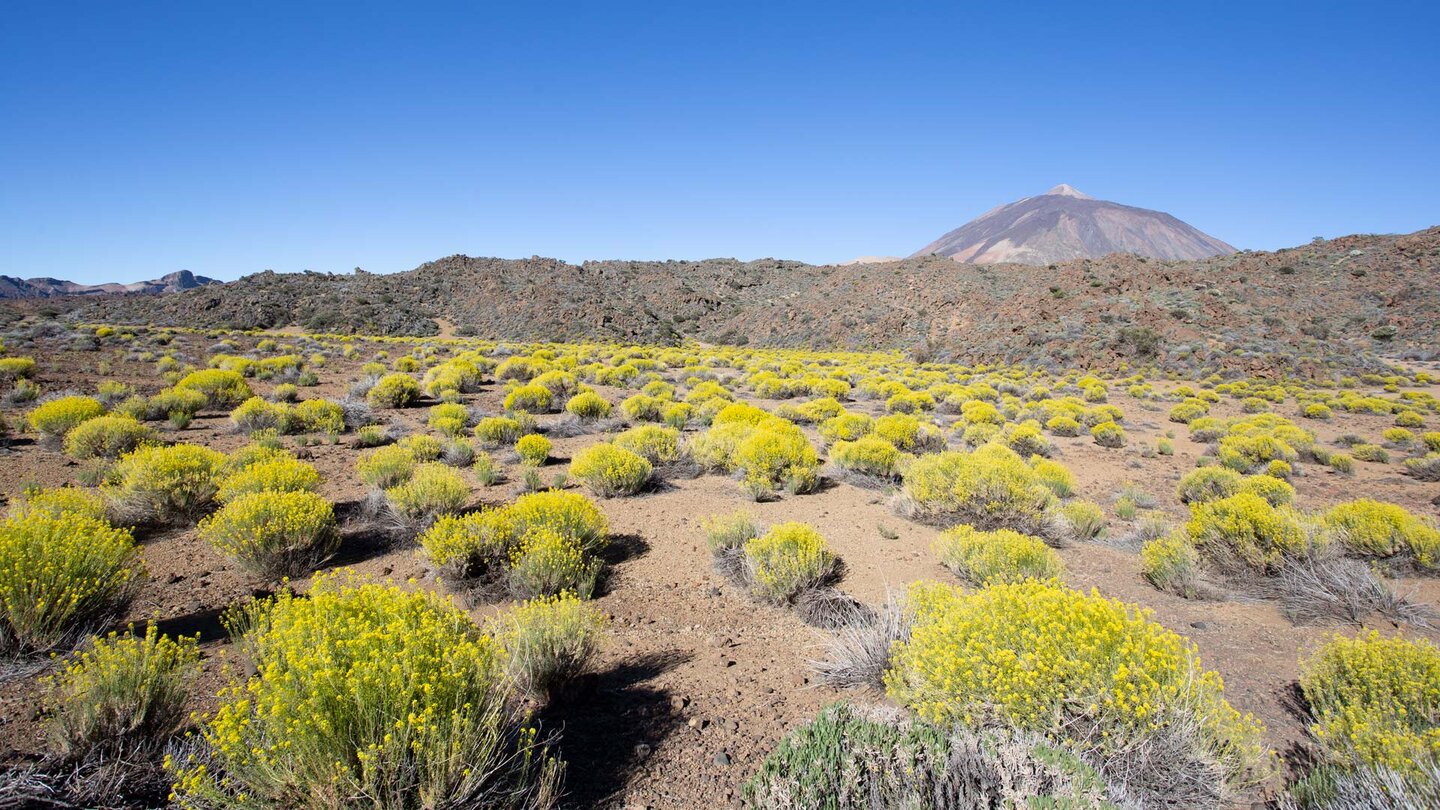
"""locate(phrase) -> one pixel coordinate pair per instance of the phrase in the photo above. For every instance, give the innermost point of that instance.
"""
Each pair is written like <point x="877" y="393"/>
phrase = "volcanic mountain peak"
<point x="1067" y="190"/>
<point x="1064" y="224"/>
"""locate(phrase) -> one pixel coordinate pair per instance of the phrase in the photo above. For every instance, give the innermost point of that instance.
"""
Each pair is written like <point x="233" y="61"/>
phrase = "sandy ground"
<point x="697" y="683"/>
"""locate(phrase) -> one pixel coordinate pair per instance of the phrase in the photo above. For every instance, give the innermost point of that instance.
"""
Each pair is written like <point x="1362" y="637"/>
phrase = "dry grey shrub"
<point x="858" y="651"/>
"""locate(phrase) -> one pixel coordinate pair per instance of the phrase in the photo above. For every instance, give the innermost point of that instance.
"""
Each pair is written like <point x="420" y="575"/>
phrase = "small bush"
<point x="55" y="419"/>
<point x="1108" y="434"/>
<point x="729" y="531"/>
<point x="386" y="467"/>
<point x="433" y="489"/>
<point x="1376" y="701"/>
<point x="1245" y="527"/>
<point x="785" y="561"/>
<point x="533" y="449"/>
<point x="221" y="389"/>
<point x="983" y="558"/>
<point x="1343" y="463"/>
<point x="274" y="534"/>
<point x="317" y="416"/>
<point x="56" y="501"/>
<point x="498" y="431"/>
<point x="1039" y="657"/>
<point x="588" y="406"/>
<point x="1370" y="452"/>
<point x="125" y="693"/>
<point x="60" y="576"/>
<point x="867" y="455"/>
<point x="846" y="427"/>
<point x="14" y="368"/>
<point x="1085" y="518"/>
<point x="1172" y="564"/>
<point x="657" y="445"/>
<point x="394" y="391"/>
<point x="991" y="488"/>
<point x="548" y="642"/>
<point x="281" y="473"/>
<point x="106" y="437"/>
<point x="1205" y="484"/>
<point x="610" y="471"/>
<point x="529" y="399"/>
<point x="1375" y="529"/>
<point x="422" y="715"/>
<point x="1426" y="468"/>
<point x="167" y="483"/>
<point x="547" y="561"/>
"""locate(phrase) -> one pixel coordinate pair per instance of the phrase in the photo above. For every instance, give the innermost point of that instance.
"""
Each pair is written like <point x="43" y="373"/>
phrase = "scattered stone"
<point x="1200" y="625"/>
<point x="722" y="759"/>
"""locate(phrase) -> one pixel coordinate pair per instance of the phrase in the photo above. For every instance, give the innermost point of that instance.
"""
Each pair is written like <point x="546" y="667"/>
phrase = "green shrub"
<point x="1317" y="410"/>
<point x="55" y="419"/>
<point x="274" y="534"/>
<point x="1043" y="658"/>
<point x="1205" y="484"/>
<point x="366" y="690"/>
<point x="1370" y="452"/>
<point x="846" y="427"/>
<point x="422" y="447"/>
<point x="221" y="389"/>
<point x="548" y="642"/>
<point x="14" y="368"/>
<point x="1085" y="518"/>
<point x="533" y="449"/>
<point x="386" y="467"/>
<point x="1376" y="701"/>
<point x="433" y="489"/>
<point x="167" y="483"/>
<point x="1343" y="463"/>
<point x="394" y="391"/>
<point x="846" y="760"/>
<point x="1063" y="426"/>
<point x="60" y="576"/>
<point x="55" y="501"/>
<point x="644" y="408"/>
<point x="317" y="416"/>
<point x="1172" y="564"/>
<point x="729" y="531"/>
<point x="1108" y="434"/>
<point x="610" y="471"/>
<point x="547" y="561"/>
<point x="498" y="431"/>
<point x="786" y="561"/>
<point x="126" y="692"/>
<point x="106" y="437"/>
<point x="588" y="406"/>
<point x="982" y="558"/>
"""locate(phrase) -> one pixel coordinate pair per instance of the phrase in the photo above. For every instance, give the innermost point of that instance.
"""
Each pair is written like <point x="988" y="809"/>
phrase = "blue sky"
<point x="227" y="138"/>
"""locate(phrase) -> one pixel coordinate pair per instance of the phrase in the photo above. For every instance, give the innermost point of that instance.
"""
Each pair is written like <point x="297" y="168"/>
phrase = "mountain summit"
<point x="1065" y="223"/>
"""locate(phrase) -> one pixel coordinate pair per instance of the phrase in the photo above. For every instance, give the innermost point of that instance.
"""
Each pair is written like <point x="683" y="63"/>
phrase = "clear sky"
<point x="138" y="138"/>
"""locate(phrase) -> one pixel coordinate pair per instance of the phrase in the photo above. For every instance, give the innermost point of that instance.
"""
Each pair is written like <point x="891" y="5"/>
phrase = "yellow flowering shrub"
<point x="529" y="399"/>
<point x="54" y="501"/>
<point x="168" y="483"/>
<point x="983" y="558"/>
<point x="610" y="471"/>
<point x="423" y="447"/>
<point x="281" y="473"/>
<point x="547" y="561"/>
<point x="395" y="390"/>
<point x="787" y="560"/>
<point x="106" y="437"/>
<point x="907" y="433"/>
<point x="1054" y="475"/>
<point x="1204" y="484"/>
<point x="125" y="692"/>
<point x="60" y="575"/>
<point x="317" y="416"/>
<point x="644" y="408"/>
<point x="366" y="690"/>
<point x="258" y="414"/>
<point x="533" y="449"/>
<point x="656" y="444"/>
<point x="1172" y="564"/>
<point x="775" y="453"/>
<point x="1276" y="491"/>
<point x="498" y="431"/>
<point x="56" y="418"/>
<point x="1108" y="434"/>
<point x="220" y="388"/>
<point x="867" y="455"/>
<point x="847" y="427"/>
<point x="386" y="467"/>
<point x="547" y="642"/>
<point x="1246" y="527"/>
<point x="588" y="406"/>
<point x="1377" y="529"/>
<point x="990" y="488"/>
<point x="569" y="513"/>
<point x="1376" y="701"/>
<point x="1041" y="657"/>
<point x="274" y="534"/>
<point x="14" y="368"/>
<point x="433" y="489"/>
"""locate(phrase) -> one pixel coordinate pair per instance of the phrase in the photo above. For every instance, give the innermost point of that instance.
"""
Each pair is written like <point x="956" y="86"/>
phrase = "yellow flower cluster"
<point x="787" y="560"/>
<point x="1374" y="528"/>
<point x="56" y="418"/>
<point x="106" y="437"/>
<point x="168" y="482"/>
<point x="432" y="489"/>
<point x="220" y="387"/>
<point x="394" y="391"/>
<point x="1376" y="701"/>
<point x="588" y="405"/>
<point x="274" y="534"/>
<point x="1041" y="657"/>
<point x="365" y="690"/>
<point x="279" y="473"/>
<point x="1171" y="563"/>
<point x="867" y="455"/>
<point x="497" y="431"/>
<point x="529" y="399"/>
<point x="609" y="470"/>
<point x="989" y="488"/>
<point x="768" y="451"/>
<point x="1247" y="527"/>
<point x="60" y="572"/>
<point x="983" y="558"/>
<point x="656" y="444"/>
<point x="533" y="449"/>
<point x="385" y="467"/>
<point x="54" y="501"/>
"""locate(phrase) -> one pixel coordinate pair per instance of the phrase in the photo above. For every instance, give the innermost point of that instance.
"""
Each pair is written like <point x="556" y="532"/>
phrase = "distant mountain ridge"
<point x="11" y="287"/>
<point x="1064" y="224"/>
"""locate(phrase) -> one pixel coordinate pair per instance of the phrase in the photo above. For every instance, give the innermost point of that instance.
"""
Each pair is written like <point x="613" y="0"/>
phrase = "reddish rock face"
<point x="1064" y="224"/>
